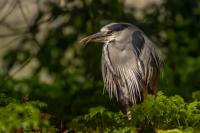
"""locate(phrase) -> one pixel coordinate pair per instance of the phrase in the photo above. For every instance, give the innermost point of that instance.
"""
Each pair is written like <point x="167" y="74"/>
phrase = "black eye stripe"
<point x="117" y="27"/>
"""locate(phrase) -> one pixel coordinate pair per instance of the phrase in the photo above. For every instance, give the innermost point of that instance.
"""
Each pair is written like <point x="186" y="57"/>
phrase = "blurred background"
<point x="41" y="58"/>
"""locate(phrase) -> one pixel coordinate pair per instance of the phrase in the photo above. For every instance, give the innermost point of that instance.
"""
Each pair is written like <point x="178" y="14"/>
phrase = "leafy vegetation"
<point x="156" y="112"/>
<point x="26" y="117"/>
<point x="62" y="91"/>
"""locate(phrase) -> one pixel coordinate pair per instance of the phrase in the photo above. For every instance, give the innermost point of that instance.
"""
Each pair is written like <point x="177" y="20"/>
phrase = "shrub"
<point x="156" y="112"/>
<point x="24" y="117"/>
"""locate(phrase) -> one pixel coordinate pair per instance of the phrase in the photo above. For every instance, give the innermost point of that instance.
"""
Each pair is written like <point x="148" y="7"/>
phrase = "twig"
<point x="9" y="12"/>
<point x="22" y="12"/>
<point x="3" y="4"/>
<point x="11" y="34"/>
<point x="9" y="43"/>
<point x="13" y="27"/>
<point x="22" y="66"/>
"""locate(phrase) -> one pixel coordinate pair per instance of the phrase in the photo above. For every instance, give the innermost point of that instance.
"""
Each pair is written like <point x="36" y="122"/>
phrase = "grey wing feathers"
<point x="132" y="82"/>
<point x="126" y="79"/>
<point x="128" y="73"/>
<point x="152" y="61"/>
<point x="126" y="84"/>
<point x="108" y="78"/>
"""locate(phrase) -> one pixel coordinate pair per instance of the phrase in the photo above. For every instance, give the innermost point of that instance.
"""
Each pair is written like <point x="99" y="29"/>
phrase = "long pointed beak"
<point x="97" y="37"/>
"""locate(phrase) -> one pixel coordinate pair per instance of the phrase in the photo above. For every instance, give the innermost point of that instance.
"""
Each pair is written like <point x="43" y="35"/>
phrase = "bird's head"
<point x="107" y="33"/>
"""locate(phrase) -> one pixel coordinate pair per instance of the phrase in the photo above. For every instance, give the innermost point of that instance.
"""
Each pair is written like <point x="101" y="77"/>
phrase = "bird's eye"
<point x="109" y="32"/>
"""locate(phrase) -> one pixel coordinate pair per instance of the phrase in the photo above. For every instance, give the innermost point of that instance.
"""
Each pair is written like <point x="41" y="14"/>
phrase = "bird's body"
<point x="130" y="63"/>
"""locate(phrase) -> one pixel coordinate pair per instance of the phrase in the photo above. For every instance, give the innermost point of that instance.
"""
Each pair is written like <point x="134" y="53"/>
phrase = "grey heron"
<point x="131" y="63"/>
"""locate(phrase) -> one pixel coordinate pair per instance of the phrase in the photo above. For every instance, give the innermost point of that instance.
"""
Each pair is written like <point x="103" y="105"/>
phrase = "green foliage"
<point x="102" y="120"/>
<point x="189" y="130"/>
<point x="22" y="117"/>
<point x="4" y="100"/>
<point x="156" y="112"/>
<point x="196" y="95"/>
<point x="167" y="112"/>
